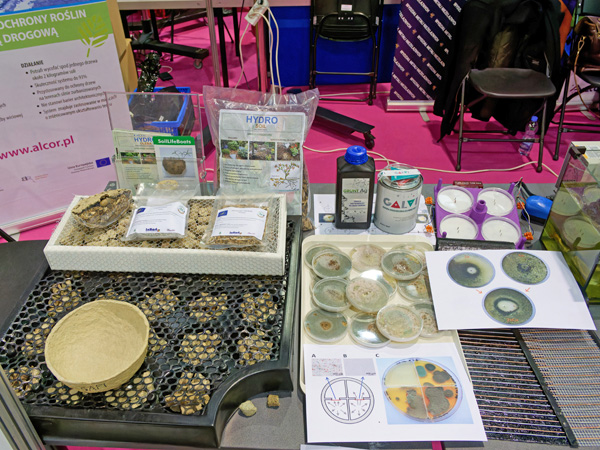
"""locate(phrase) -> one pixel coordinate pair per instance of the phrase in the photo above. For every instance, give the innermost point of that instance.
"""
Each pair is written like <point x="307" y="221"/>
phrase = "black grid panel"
<point x="204" y="329"/>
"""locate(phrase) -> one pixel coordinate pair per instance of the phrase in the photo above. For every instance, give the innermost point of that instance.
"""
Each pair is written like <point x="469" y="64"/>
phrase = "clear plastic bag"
<point x="255" y="162"/>
<point x="161" y="210"/>
<point x="241" y="222"/>
<point x="102" y="209"/>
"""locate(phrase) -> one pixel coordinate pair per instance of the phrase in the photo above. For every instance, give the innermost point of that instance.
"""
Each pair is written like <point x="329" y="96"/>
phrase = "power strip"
<point x="260" y="7"/>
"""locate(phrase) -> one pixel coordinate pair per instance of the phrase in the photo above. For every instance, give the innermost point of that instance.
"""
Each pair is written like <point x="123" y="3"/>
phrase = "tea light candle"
<point x="500" y="229"/>
<point x="454" y="199"/>
<point x="458" y="227"/>
<point x="498" y="201"/>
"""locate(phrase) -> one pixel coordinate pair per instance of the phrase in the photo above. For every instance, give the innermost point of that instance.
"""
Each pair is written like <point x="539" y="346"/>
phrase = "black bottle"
<point x="354" y="189"/>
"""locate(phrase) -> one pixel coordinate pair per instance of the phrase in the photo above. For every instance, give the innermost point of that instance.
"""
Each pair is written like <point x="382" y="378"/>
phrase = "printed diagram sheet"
<point x="416" y="393"/>
<point x="262" y="152"/>
<point x="505" y="288"/>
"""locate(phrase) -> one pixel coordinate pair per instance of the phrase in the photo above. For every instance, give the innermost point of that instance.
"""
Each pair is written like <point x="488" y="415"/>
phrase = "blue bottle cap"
<point x="356" y="155"/>
<point x="534" y="118"/>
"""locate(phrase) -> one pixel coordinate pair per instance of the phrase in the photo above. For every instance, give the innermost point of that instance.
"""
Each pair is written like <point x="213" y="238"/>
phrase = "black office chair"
<point x="505" y="83"/>
<point x="347" y="21"/>
<point x="583" y="8"/>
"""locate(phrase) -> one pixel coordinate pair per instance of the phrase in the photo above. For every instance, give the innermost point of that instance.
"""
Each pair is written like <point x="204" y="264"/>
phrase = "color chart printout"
<point x="416" y="393"/>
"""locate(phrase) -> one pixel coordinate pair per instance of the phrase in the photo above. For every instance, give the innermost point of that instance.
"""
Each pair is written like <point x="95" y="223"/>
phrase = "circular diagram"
<point x="422" y="390"/>
<point x="470" y="270"/>
<point x="525" y="268"/>
<point x="509" y="307"/>
<point x="347" y="400"/>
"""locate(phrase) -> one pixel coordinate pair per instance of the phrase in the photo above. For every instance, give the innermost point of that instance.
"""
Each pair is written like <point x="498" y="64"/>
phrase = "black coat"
<point x="500" y="33"/>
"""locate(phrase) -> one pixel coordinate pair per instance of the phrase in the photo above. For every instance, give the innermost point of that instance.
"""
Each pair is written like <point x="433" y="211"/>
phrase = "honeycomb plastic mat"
<point x="511" y="401"/>
<point x="569" y="363"/>
<point x="215" y="341"/>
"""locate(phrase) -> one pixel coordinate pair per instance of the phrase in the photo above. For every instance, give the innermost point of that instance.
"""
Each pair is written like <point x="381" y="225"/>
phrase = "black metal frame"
<point x="461" y="131"/>
<point x="375" y="29"/>
<point x="594" y="82"/>
<point x="150" y="40"/>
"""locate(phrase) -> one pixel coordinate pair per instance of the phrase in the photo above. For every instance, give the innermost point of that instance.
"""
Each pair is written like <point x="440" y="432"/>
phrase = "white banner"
<point x="56" y="60"/>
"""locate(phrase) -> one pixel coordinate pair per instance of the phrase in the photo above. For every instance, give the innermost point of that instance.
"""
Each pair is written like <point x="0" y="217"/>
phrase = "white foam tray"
<point x="165" y="260"/>
<point x="346" y="243"/>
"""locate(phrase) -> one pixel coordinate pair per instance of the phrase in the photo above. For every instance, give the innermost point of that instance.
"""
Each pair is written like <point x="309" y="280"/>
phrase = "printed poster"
<point x="57" y="59"/>
<point x="262" y="152"/>
<point x="419" y="392"/>
<point x="424" y="33"/>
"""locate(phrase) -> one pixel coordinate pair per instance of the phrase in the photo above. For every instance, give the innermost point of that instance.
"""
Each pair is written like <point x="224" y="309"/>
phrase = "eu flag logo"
<point x="103" y="162"/>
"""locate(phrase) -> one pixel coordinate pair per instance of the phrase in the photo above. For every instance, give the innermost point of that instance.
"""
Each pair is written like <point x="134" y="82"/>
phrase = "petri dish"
<point x="417" y="290"/>
<point x="399" y="323"/>
<point x="413" y="248"/>
<point x="591" y="194"/>
<point x="566" y="202"/>
<point x="470" y="270"/>
<point x="331" y="264"/>
<point x="325" y="326"/>
<point x="366" y="256"/>
<point x="498" y="201"/>
<point x="580" y="234"/>
<point x="330" y="294"/>
<point x="525" y="268"/>
<point x="364" y="331"/>
<point x="312" y="251"/>
<point x="367" y="295"/>
<point x="508" y="307"/>
<point x="422" y="390"/>
<point x="427" y="314"/>
<point x="378" y="275"/>
<point x="403" y="265"/>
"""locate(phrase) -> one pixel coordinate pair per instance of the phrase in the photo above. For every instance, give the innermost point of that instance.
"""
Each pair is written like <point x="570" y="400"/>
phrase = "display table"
<point x="281" y="428"/>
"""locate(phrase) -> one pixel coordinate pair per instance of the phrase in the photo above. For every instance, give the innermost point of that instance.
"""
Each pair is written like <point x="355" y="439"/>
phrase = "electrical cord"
<point x="241" y="56"/>
<point x="509" y="169"/>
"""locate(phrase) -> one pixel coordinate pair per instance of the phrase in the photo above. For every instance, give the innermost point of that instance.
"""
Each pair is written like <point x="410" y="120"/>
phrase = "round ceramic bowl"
<point x="98" y="346"/>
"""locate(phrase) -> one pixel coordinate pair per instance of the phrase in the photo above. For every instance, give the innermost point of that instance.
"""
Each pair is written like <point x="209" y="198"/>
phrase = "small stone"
<point x="248" y="408"/>
<point x="273" y="401"/>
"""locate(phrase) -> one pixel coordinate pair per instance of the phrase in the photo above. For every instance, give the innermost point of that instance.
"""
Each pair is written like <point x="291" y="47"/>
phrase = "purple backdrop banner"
<point x="424" y="32"/>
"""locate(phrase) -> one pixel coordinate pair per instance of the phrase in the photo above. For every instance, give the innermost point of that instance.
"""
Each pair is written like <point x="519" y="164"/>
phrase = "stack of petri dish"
<point x="375" y="296"/>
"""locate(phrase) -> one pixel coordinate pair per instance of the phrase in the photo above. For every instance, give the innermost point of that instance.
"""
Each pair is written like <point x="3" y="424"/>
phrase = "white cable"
<point x="242" y="56"/>
<point x="351" y="93"/>
<point x="388" y="160"/>
<point x="276" y="49"/>
<point x="271" y="49"/>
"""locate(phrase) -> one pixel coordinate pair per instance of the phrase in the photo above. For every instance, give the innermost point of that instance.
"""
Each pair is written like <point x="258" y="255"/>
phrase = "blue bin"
<point x="182" y="126"/>
<point x="294" y="50"/>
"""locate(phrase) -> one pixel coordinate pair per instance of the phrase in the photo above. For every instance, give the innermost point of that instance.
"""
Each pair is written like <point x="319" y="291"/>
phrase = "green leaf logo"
<point x="93" y="32"/>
